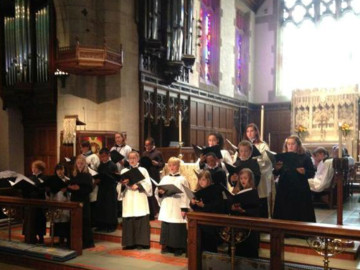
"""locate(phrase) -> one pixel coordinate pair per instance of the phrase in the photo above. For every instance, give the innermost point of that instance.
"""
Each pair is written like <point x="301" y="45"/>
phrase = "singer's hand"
<point x="200" y="204"/>
<point x="278" y="165"/>
<point x="301" y="170"/>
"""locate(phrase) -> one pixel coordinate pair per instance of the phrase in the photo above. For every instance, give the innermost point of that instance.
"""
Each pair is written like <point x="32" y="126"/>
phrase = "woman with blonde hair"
<point x="80" y="186"/>
<point x="293" y="197"/>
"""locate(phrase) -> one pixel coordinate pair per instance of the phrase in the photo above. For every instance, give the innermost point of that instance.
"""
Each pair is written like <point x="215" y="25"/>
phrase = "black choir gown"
<point x="250" y="202"/>
<point x="218" y="175"/>
<point x="293" y="196"/>
<point x="251" y="164"/>
<point x="154" y="172"/>
<point x="84" y="180"/>
<point x="53" y="185"/>
<point x="106" y="207"/>
<point x="34" y="218"/>
<point x="212" y="198"/>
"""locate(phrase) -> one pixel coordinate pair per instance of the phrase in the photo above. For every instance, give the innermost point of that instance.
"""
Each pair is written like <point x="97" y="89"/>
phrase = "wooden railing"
<point x="276" y="228"/>
<point x="75" y="215"/>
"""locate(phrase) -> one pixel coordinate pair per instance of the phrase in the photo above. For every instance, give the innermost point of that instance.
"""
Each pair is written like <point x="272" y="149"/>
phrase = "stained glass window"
<point x="209" y="42"/>
<point x="241" y="52"/>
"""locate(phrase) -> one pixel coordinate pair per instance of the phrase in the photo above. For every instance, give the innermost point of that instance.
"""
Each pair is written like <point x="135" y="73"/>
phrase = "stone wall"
<point x="109" y="103"/>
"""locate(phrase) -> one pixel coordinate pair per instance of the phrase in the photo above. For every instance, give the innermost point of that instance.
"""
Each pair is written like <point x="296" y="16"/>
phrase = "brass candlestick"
<point x="233" y="237"/>
<point x="326" y="247"/>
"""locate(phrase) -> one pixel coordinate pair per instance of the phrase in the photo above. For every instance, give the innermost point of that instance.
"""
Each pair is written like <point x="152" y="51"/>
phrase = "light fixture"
<point x="62" y="75"/>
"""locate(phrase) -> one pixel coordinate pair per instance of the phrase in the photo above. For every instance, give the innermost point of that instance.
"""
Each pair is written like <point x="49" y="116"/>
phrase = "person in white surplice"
<point x="135" y="211"/>
<point x="324" y="172"/>
<point x="173" y="208"/>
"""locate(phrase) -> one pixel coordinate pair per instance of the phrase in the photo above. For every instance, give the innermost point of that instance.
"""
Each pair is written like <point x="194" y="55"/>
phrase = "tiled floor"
<point x="351" y="216"/>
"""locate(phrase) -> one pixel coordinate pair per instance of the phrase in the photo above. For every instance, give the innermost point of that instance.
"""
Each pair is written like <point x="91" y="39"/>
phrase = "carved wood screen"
<point x="321" y="111"/>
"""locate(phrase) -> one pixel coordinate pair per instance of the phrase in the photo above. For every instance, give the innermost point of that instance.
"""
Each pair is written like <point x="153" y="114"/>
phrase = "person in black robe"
<point x="56" y="190"/>
<point x="245" y="160"/>
<point x="153" y="168"/>
<point x="293" y="196"/>
<point x="80" y="186"/>
<point x="213" y="165"/>
<point x="106" y="207"/>
<point x="246" y="202"/>
<point x="34" y="218"/>
<point x="209" y="199"/>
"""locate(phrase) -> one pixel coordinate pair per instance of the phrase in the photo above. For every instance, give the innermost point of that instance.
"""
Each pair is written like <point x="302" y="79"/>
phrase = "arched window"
<point x="241" y="53"/>
<point x="209" y="13"/>
<point x="320" y="44"/>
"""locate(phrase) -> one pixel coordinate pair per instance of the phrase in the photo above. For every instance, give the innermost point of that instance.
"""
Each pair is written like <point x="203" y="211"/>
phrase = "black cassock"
<point x="214" y="202"/>
<point x="293" y="196"/>
<point x="84" y="180"/>
<point x="34" y="218"/>
<point x="154" y="172"/>
<point x="218" y="176"/>
<point x="106" y="207"/>
<point x="251" y="164"/>
<point x="250" y="202"/>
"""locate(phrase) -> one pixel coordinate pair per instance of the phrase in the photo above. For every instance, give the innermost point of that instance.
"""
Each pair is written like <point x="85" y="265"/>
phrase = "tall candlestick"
<point x="180" y="128"/>
<point x="74" y="148"/>
<point x="262" y="123"/>
<point x="340" y="141"/>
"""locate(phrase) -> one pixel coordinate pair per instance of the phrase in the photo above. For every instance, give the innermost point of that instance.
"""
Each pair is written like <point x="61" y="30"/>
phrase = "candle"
<point x="262" y="123"/>
<point x="340" y="141"/>
<point x="74" y="148"/>
<point x="180" y="131"/>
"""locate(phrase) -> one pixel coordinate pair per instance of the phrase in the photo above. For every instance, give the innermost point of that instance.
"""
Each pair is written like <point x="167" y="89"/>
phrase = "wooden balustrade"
<point x="75" y="215"/>
<point x="276" y="228"/>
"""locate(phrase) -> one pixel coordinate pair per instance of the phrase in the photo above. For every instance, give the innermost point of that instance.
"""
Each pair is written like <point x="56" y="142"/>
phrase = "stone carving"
<point x="322" y="110"/>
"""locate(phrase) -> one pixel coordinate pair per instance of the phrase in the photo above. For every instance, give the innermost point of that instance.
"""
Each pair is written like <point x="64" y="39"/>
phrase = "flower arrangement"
<point x="345" y="129"/>
<point x="300" y="130"/>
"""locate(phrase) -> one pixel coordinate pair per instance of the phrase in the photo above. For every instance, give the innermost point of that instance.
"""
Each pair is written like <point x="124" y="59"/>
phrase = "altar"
<point x="321" y="116"/>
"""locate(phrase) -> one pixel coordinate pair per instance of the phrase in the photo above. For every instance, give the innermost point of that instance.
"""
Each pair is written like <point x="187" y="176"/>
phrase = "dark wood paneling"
<point x="216" y="117"/>
<point x="200" y="137"/>
<point x="208" y="116"/>
<point x="200" y="114"/>
<point x="193" y="114"/>
<point x="223" y="118"/>
<point x="40" y="144"/>
<point x="193" y="136"/>
<point x="277" y="120"/>
<point x="187" y="152"/>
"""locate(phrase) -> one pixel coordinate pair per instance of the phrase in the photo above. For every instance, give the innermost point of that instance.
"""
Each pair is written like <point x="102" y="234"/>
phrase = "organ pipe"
<point x="18" y="45"/>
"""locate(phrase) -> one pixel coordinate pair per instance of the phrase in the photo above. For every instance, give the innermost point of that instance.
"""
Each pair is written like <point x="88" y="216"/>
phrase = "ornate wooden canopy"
<point x="89" y="60"/>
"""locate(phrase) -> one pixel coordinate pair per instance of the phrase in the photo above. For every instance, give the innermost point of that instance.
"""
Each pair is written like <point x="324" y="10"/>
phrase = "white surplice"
<point x="135" y="203"/>
<point x="323" y="176"/>
<point x="170" y="206"/>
